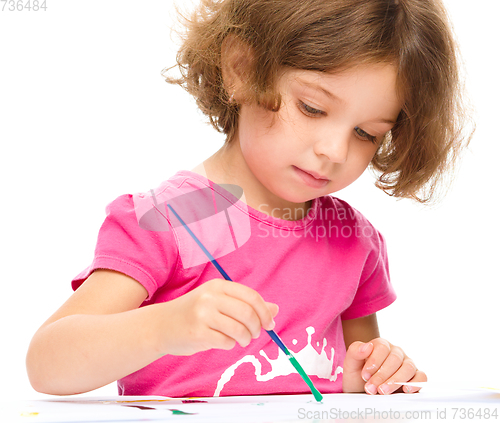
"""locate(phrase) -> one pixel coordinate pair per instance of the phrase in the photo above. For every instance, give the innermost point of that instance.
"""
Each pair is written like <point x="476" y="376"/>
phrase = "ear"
<point x="237" y="60"/>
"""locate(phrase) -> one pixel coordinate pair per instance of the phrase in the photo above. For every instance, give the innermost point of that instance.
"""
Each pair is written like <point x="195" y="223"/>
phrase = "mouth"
<point x="316" y="175"/>
<point x="311" y="178"/>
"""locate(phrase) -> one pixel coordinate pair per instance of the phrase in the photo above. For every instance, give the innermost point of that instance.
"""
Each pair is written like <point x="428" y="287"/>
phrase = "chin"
<point x="298" y="198"/>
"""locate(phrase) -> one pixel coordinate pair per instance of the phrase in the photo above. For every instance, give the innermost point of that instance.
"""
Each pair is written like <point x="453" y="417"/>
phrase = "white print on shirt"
<point x="314" y="364"/>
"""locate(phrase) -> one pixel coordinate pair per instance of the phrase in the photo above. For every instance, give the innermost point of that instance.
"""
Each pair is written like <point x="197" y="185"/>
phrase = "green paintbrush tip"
<point x="295" y="364"/>
<point x="317" y="395"/>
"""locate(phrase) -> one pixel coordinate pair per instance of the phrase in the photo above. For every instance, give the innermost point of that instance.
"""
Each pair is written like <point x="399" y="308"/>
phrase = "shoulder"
<point x="184" y="198"/>
<point x="141" y="221"/>
<point x="147" y="208"/>
<point x="175" y="185"/>
<point x="137" y="238"/>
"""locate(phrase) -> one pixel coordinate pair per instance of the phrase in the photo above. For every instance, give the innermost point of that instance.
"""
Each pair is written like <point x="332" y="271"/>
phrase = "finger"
<point x="390" y="365"/>
<point x="253" y="298"/>
<point x="273" y="308"/>
<point x="231" y="328"/>
<point x="205" y="337"/>
<point x="241" y="312"/>
<point x="419" y="377"/>
<point x="381" y="350"/>
<point x="216" y="339"/>
<point x="406" y="372"/>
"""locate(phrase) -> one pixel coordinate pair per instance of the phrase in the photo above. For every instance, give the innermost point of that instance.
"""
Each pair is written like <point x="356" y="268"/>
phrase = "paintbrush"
<point x="317" y="395"/>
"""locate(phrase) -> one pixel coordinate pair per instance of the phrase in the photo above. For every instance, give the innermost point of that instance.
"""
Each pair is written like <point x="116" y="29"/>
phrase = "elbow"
<point x="43" y="383"/>
<point x="46" y="375"/>
<point x="38" y="379"/>
<point x="38" y="371"/>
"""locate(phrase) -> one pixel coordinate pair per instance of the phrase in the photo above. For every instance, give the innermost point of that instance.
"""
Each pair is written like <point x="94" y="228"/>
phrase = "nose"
<point x="334" y="146"/>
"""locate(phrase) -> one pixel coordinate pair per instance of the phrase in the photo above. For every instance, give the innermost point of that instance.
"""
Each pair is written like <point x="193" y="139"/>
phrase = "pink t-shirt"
<point x="329" y="266"/>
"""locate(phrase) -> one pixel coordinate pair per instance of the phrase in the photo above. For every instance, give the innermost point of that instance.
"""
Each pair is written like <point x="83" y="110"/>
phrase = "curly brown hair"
<point x="334" y="35"/>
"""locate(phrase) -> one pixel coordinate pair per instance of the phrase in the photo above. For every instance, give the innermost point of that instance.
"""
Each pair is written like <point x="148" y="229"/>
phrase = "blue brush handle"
<point x="274" y="336"/>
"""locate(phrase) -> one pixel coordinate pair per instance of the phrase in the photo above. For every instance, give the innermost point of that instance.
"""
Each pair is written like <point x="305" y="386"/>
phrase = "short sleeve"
<point x="149" y="257"/>
<point x="375" y="290"/>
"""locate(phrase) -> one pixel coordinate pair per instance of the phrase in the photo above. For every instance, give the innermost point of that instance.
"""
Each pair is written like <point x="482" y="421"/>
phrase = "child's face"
<point x="334" y="137"/>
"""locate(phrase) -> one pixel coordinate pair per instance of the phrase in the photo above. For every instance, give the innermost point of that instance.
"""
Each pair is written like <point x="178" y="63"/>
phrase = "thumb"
<point x="356" y="355"/>
<point x="354" y="361"/>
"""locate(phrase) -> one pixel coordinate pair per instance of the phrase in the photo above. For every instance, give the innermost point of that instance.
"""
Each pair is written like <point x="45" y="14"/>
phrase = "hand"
<point x="376" y="365"/>
<point x="217" y="314"/>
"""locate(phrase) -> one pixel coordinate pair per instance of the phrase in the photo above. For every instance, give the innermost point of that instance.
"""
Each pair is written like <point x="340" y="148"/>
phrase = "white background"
<point x="85" y="116"/>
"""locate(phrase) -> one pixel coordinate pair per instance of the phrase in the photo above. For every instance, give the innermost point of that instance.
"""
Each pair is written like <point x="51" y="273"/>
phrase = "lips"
<point x="313" y="179"/>
<point x="315" y="175"/>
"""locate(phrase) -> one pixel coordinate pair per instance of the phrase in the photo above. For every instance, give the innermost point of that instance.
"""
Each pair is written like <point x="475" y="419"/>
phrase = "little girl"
<point x="309" y="93"/>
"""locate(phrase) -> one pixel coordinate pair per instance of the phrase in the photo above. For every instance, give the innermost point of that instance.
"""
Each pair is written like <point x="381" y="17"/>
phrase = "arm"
<point x="363" y="329"/>
<point x="372" y="364"/>
<point x="100" y="335"/>
<point x="96" y="337"/>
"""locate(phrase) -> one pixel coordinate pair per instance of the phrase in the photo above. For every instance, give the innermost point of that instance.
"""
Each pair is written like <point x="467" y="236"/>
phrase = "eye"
<point x="310" y="111"/>
<point x="364" y="135"/>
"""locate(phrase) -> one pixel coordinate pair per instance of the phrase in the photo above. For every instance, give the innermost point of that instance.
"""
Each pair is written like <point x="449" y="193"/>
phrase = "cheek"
<point x="263" y="137"/>
<point x="359" y="161"/>
<point x="263" y="156"/>
<point x="363" y="153"/>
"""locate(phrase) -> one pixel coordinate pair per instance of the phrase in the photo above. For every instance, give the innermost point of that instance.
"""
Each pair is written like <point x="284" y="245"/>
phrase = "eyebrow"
<point x="336" y="98"/>
<point x="320" y="88"/>
<point x="383" y="121"/>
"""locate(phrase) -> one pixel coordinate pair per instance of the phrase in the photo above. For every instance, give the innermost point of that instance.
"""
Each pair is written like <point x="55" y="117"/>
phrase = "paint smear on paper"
<point x="140" y="407"/>
<point x="179" y="412"/>
<point x="134" y="401"/>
